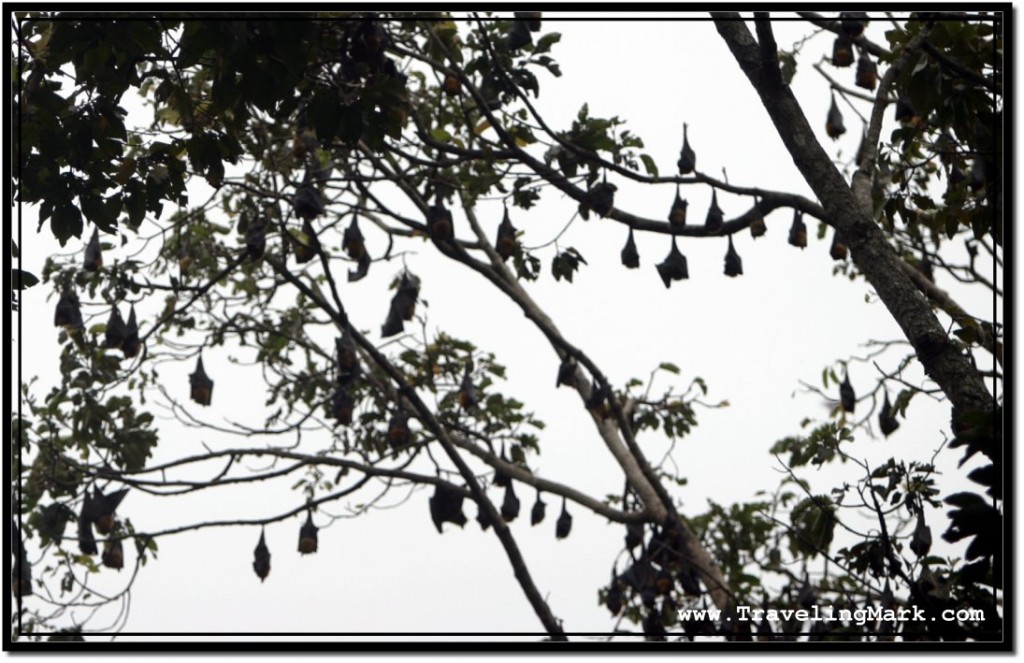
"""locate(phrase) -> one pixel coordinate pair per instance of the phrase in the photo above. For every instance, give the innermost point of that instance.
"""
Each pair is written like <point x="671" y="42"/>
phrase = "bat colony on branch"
<point x="650" y="573"/>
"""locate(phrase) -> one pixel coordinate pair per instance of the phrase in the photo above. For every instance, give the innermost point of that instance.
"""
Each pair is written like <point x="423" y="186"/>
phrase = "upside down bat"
<point x="467" y="391"/>
<point x="510" y="505"/>
<point x="677" y="214"/>
<point x="757" y="226"/>
<point x="601" y="198"/>
<point x="733" y="262"/>
<point x="505" y="244"/>
<point x="256" y="239"/>
<point x="715" y="218"/>
<point x="439" y="221"/>
<point x="307" y="202"/>
<point x="798" y="231"/>
<point x="202" y="385"/>
<point x="564" y="523"/>
<point x="834" y="122"/>
<point x="446" y="507"/>
<point x="687" y="159"/>
<point x="846" y="396"/>
<point x="566" y="372"/>
<point x="131" y="345"/>
<point x="398" y="430"/>
<point x="100" y="508"/>
<point x="93" y="253"/>
<point x="68" y="314"/>
<point x="630" y="257"/>
<point x="308" y="535"/>
<point x="538" y="510"/>
<point x="116" y="330"/>
<point x="113" y="554"/>
<point x="673" y="268"/>
<point x="887" y="421"/>
<point x="261" y="557"/>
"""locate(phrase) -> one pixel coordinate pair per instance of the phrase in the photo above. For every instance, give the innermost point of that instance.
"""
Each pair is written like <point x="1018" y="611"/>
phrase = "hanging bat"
<point x="452" y="86"/>
<point x="439" y="221"/>
<point x="21" y="570"/>
<point x="114" y="335"/>
<point x="308" y="535"/>
<point x="613" y="599"/>
<point x="634" y="535"/>
<point x="467" y="391"/>
<point x="838" y="250"/>
<point x="867" y="72"/>
<point x="673" y="268"/>
<point x="307" y="202"/>
<point x="886" y="418"/>
<point x="689" y="580"/>
<point x="566" y="372"/>
<point x="501" y="479"/>
<point x="483" y="518"/>
<point x="538" y="510"/>
<point x="677" y="214"/>
<point x="518" y="36"/>
<point x="687" y="159"/>
<point x="532" y="19"/>
<point x="307" y="245"/>
<point x="564" y="523"/>
<point x="505" y="244"/>
<point x="446" y="507"/>
<point x="715" y="217"/>
<point x="653" y="628"/>
<point x="113" y="554"/>
<point x="407" y="295"/>
<point x="798" y="231"/>
<point x="510" y="505"/>
<point x="842" y="51"/>
<point x="68" y="314"/>
<point x="131" y="345"/>
<point x="342" y="405"/>
<point x="261" y="558"/>
<point x="757" y="226"/>
<point x="100" y="509"/>
<point x="806" y="597"/>
<point x="347" y="359"/>
<point x="352" y="241"/>
<point x="202" y="385"/>
<point x="601" y="198"/>
<point x="921" y="541"/>
<point x="393" y="323"/>
<point x="93" y="253"/>
<point x="905" y="113"/>
<point x="597" y="403"/>
<point x="834" y="122"/>
<point x="361" y="270"/>
<point x="86" y="539"/>
<point x="398" y="430"/>
<point x="663" y="582"/>
<point x="846" y="396"/>
<point x="630" y="257"/>
<point x="733" y="262"/>
<point x="256" y="239"/>
<point x="853" y="23"/>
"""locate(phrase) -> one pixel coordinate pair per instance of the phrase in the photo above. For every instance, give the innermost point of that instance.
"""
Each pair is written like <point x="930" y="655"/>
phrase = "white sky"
<point x="752" y="339"/>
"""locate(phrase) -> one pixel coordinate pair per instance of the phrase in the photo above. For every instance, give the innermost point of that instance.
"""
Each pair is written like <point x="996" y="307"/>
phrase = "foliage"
<point x="305" y="129"/>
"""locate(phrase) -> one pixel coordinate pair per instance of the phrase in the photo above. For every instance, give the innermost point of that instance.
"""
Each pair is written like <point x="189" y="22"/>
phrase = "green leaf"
<point x="545" y="43"/>
<point x="649" y="165"/>
<point x="22" y="279"/>
<point x="669" y="366"/>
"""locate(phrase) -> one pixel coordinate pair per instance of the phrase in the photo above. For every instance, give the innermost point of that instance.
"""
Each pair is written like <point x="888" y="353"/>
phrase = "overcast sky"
<point x="753" y="339"/>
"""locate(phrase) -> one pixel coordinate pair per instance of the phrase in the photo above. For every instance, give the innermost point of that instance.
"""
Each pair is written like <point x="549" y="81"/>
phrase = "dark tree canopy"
<point x="332" y="147"/>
